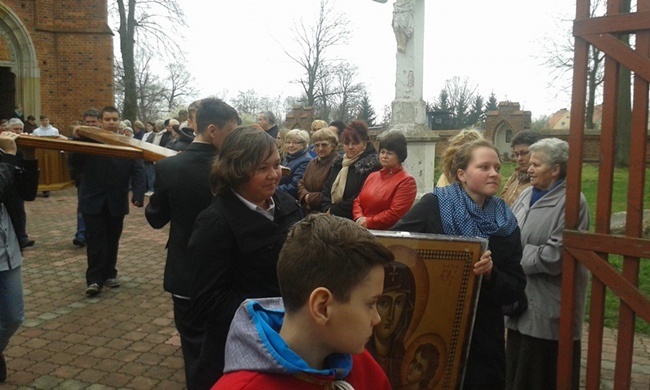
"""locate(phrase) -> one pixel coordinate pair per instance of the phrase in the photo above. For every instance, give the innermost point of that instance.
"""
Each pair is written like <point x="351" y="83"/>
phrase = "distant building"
<point x="501" y="125"/>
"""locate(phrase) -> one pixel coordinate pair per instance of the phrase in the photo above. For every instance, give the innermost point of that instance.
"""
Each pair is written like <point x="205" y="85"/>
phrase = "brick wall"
<point x="74" y="49"/>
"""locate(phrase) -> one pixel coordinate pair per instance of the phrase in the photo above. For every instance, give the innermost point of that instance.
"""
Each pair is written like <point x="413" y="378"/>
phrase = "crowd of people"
<point x="257" y="212"/>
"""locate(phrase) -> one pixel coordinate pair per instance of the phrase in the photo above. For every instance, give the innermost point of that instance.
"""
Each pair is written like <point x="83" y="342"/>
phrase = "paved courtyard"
<point x="125" y="337"/>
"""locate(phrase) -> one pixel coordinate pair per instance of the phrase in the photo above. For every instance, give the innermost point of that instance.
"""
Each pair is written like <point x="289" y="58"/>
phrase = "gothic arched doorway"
<point x="502" y="137"/>
<point x="19" y="73"/>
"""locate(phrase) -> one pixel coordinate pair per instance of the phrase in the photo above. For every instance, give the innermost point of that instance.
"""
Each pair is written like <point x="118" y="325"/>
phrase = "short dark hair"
<point x="355" y="131"/>
<point x="30" y="117"/>
<point x="394" y="141"/>
<point x="340" y="126"/>
<point x="242" y="151"/>
<point x="323" y="250"/>
<point x="108" y="109"/>
<point x="525" y="137"/>
<point x="95" y="113"/>
<point x="44" y="117"/>
<point x="214" y="111"/>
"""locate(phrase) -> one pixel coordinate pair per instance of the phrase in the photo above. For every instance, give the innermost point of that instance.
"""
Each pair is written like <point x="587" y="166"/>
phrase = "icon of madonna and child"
<point x="409" y="362"/>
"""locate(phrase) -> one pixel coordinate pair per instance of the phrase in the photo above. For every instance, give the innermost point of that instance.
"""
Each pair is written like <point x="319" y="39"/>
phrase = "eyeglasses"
<point x="523" y="153"/>
<point x="321" y="145"/>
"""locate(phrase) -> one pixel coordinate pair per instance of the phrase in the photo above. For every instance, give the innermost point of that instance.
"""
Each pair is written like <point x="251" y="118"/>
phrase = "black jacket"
<point x="163" y="140"/>
<point x="358" y="172"/>
<point x="233" y="253"/>
<point x="182" y="191"/>
<point x="106" y="182"/>
<point x="486" y="363"/>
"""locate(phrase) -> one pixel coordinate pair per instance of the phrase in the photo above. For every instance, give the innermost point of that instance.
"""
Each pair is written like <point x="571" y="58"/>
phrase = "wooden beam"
<point x="150" y="152"/>
<point x="32" y="141"/>
<point x="626" y="291"/>
<point x="615" y="49"/>
<point x="618" y="23"/>
<point x="604" y="243"/>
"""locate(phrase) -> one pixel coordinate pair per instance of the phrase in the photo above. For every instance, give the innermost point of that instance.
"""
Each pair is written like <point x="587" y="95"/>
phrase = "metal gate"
<point x="592" y="249"/>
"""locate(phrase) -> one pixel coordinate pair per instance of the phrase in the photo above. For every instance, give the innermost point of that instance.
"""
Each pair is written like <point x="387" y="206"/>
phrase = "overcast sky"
<point x="237" y="46"/>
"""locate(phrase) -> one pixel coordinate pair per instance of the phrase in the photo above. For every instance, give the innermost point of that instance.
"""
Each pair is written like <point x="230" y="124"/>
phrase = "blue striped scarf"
<point x="461" y="216"/>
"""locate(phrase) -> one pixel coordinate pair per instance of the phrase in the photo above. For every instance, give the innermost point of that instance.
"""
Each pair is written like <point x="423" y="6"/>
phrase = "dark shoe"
<point x="27" y="244"/>
<point x="46" y="194"/>
<point x="112" y="283"/>
<point x="3" y="368"/>
<point x="80" y="242"/>
<point x="93" y="290"/>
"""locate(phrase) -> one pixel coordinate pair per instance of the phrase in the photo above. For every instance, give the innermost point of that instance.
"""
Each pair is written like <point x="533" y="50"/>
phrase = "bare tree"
<point x="461" y="102"/>
<point x="559" y="58"/>
<point x="144" y="20"/>
<point x="315" y="39"/>
<point x="150" y="90"/>
<point x="179" y="84"/>
<point x="348" y="93"/>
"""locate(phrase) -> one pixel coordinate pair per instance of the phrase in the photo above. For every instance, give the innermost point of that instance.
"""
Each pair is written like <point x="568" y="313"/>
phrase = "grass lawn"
<point x="590" y="189"/>
<point x="619" y="201"/>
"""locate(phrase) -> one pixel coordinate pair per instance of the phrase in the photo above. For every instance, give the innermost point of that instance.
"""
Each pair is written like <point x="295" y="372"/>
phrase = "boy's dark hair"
<point x="108" y="109"/>
<point x="213" y="111"/>
<point x="395" y="141"/>
<point x="92" y="112"/>
<point x="326" y="251"/>
<point x="44" y="117"/>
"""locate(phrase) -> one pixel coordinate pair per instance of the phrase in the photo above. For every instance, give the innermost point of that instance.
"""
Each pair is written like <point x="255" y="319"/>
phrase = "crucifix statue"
<point x="408" y="108"/>
<point x="408" y="26"/>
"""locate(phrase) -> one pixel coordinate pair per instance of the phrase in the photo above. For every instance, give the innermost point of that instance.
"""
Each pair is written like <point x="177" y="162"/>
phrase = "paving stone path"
<point x="124" y="338"/>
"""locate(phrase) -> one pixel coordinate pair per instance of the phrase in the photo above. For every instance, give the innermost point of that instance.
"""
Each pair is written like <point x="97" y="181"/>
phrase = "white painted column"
<point x="408" y="108"/>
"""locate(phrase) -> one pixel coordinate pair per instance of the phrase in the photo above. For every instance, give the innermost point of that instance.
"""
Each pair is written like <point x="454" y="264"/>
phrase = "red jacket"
<point x="386" y="197"/>
<point x="365" y="374"/>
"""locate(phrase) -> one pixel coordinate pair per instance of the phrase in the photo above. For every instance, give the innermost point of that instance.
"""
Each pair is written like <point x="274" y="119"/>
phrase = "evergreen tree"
<point x="366" y="112"/>
<point x="492" y="104"/>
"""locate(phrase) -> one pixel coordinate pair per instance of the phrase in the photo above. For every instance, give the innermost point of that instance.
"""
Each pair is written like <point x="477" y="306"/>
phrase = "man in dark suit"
<point x="104" y="201"/>
<point x="181" y="191"/>
<point x="266" y="120"/>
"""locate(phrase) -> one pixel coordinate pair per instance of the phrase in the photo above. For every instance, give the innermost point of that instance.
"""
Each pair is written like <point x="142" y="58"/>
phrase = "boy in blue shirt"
<point x="331" y="273"/>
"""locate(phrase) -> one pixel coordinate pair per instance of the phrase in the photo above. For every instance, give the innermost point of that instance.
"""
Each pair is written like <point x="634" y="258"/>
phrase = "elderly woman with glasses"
<point x="311" y="184"/>
<point x="533" y="335"/>
<point x="295" y="143"/>
<point x="520" y="179"/>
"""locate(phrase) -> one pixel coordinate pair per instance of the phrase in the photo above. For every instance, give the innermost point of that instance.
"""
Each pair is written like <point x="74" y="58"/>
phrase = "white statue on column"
<point x="403" y="23"/>
<point x="408" y="108"/>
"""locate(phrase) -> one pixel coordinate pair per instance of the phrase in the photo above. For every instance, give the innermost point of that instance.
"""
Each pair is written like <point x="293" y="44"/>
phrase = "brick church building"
<point x="56" y="58"/>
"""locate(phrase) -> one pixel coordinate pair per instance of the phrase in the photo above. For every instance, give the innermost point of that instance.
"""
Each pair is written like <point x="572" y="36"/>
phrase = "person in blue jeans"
<point x="15" y="183"/>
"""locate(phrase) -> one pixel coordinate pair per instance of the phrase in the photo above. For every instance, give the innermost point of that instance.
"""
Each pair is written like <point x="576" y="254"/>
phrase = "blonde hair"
<point x="447" y="158"/>
<point x="318" y="124"/>
<point x="298" y="135"/>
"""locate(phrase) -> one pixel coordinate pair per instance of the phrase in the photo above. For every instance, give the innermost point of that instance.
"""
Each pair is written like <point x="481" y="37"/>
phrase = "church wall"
<point x="74" y="51"/>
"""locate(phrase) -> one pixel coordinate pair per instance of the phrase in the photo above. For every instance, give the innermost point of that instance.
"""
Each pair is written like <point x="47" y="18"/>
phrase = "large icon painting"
<point x="427" y="309"/>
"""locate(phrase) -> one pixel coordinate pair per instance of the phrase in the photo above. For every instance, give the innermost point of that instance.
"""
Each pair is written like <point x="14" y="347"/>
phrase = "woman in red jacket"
<point x="389" y="193"/>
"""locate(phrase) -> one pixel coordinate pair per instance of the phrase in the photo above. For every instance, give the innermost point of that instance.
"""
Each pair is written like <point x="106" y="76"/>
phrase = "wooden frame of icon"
<point x="427" y="309"/>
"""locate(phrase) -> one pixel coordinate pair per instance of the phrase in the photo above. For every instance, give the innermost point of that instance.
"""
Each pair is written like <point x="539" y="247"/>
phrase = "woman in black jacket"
<point x="469" y="207"/>
<point x="236" y="241"/>
<point x="350" y="171"/>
